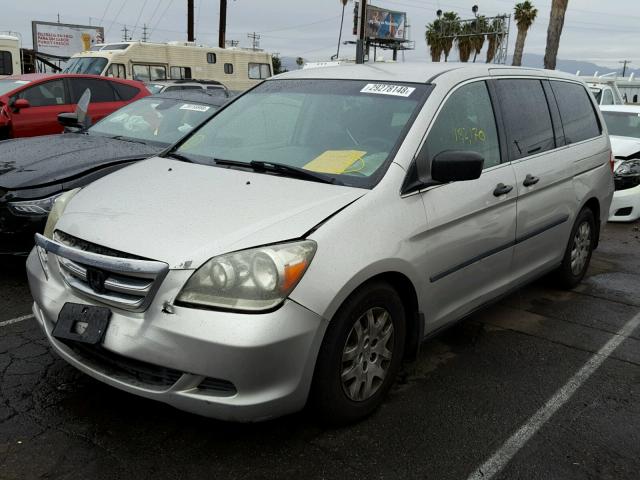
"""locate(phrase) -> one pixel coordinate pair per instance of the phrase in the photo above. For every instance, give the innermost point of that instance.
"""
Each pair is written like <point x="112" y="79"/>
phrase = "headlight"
<point x="253" y="280"/>
<point x="628" y="168"/>
<point x="33" y="208"/>
<point x="57" y="210"/>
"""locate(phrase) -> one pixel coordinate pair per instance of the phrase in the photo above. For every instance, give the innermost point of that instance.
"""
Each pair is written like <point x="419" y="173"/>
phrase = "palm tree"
<point x="556" y="22"/>
<point x="344" y="4"/>
<point x="465" y="42"/>
<point x="450" y="28"/>
<point x="480" y="25"/>
<point x="525" y="14"/>
<point x="433" y="36"/>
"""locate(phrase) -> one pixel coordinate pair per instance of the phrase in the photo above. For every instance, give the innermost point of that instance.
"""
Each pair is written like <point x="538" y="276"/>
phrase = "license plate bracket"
<point x="82" y="323"/>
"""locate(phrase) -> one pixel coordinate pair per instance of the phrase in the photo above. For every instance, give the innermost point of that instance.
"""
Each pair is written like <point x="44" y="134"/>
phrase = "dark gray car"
<point x="35" y="171"/>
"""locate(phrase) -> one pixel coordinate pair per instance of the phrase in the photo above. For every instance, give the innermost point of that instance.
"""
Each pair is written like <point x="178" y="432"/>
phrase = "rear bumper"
<point x="265" y="362"/>
<point x="625" y="206"/>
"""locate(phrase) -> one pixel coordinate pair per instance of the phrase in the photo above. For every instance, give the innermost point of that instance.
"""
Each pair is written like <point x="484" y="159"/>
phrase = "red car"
<point x="30" y="104"/>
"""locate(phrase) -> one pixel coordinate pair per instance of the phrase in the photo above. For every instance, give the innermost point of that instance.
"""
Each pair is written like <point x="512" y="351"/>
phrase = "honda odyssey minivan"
<point x="300" y="244"/>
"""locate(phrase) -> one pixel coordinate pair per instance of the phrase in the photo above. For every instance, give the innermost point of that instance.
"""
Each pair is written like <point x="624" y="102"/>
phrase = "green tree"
<point x="433" y="36"/>
<point x="495" y="37"/>
<point x="300" y="62"/>
<point x="480" y="25"/>
<point x="524" y="14"/>
<point x="277" y="65"/>
<point x="556" y="22"/>
<point x="465" y="42"/>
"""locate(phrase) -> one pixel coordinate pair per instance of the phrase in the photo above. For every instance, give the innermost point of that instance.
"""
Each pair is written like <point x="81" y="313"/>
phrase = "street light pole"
<point x="362" y="27"/>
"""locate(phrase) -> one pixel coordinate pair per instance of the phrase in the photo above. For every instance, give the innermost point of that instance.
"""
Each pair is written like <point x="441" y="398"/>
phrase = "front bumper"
<point x="267" y="358"/>
<point x="625" y="206"/>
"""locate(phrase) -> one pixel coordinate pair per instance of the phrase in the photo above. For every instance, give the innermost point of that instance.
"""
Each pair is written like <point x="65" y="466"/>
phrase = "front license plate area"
<point x="82" y="323"/>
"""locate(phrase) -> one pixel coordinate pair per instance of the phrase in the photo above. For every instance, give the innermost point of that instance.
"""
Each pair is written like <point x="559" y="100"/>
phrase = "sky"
<point x="596" y="31"/>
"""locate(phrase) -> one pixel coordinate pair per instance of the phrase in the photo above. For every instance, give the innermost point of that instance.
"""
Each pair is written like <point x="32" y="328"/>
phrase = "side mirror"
<point x="456" y="166"/>
<point x="69" y="119"/>
<point x="21" y="103"/>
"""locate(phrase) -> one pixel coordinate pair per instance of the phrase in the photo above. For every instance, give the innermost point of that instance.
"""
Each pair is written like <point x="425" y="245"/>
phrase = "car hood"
<point x="32" y="162"/>
<point x="183" y="213"/>
<point x="624" y="146"/>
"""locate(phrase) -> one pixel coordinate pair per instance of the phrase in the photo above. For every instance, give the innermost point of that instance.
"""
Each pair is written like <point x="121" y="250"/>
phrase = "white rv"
<point x="236" y="68"/>
<point x="10" y="63"/>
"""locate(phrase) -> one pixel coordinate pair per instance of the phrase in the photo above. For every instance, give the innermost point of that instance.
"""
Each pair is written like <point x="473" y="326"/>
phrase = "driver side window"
<point x="466" y="122"/>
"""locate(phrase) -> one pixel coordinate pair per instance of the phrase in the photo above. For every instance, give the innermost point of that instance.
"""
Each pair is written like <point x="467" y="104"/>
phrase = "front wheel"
<point x="578" y="252"/>
<point x="360" y="355"/>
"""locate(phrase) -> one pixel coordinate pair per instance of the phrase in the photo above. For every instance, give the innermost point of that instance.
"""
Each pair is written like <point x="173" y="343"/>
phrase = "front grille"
<point x="109" y="276"/>
<point x="626" y="182"/>
<point x="134" y="372"/>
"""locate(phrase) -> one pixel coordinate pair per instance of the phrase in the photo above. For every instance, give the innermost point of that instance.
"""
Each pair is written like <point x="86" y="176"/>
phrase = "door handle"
<point x="502" y="189"/>
<point x="530" y="180"/>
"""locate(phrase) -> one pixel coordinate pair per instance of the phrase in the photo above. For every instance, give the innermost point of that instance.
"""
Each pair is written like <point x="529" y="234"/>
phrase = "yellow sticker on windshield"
<point x="334" y="161"/>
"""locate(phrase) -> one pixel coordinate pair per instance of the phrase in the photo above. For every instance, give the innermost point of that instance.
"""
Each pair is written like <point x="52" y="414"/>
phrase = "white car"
<point x="623" y="123"/>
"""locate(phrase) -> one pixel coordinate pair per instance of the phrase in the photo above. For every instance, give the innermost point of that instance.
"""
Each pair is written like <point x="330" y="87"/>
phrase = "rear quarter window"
<point x="579" y="120"/>
<point x="125" y="92"/>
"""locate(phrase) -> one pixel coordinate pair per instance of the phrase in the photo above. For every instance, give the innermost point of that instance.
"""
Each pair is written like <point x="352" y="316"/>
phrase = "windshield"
<point x="154" y="87"/>
<point x="624" y="124"/>
<point x="86" y="65"/>
<point x="8" y="85"/>
<point x="344" y="129"/>
<point x="154" y="120"/>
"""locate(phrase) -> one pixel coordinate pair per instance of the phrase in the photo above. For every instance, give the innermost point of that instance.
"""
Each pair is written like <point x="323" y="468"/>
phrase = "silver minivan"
<point x="297" y="247"/>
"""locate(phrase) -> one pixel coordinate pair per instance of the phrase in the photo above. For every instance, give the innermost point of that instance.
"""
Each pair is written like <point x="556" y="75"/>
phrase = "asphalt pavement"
<point x="544" y="384"/>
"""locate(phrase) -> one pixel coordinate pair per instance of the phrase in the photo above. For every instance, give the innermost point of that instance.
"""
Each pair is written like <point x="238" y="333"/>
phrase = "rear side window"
<point x="124" y="92"/>
<point x="6" y="63"/>
<point x="579" y="120"/>
<point x="526" y="116"/>
<point x="466" y="122"/>
<point x="101" y="90"/>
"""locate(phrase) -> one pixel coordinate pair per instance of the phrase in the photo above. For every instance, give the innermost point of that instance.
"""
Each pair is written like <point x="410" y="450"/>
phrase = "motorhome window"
<point x="6" y="63"/>
<point x="579" y="120"/>
<point x="180" y="73"/>
<point x="211" y="58"/>
<point x="116" y="70"/>
<point x="259" y="71"/>
<point x="86" y="65"/>
<point x="146" y="73"/>
<point x="526" y="114"/>
<point x="228" y="68"/>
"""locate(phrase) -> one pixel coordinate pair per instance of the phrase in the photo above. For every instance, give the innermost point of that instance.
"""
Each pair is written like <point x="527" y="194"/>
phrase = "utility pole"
<point x="362" y="27"/>
<point x="190" y="35"/>
<point x="145" y="33"/>
<point x="232" y="43"/>
<point x="125" y="34"/>
<point x="58" y="18"/>
<point x="222" y="26"/>
<point x="255" y="40"/>
<point x="624" y="68"/>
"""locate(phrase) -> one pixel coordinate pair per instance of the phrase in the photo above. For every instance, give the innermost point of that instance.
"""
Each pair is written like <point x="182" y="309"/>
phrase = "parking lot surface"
<point x="544" y="384"/>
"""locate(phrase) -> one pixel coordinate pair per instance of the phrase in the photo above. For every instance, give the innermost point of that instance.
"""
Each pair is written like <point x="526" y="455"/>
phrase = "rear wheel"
<point x="360" y="355"/>
<point x="579" y="249"/>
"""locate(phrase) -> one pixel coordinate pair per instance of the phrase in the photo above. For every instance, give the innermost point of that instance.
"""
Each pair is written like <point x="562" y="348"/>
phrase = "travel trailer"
<point x="10" y="63"/>
<point x="236" y="68"/>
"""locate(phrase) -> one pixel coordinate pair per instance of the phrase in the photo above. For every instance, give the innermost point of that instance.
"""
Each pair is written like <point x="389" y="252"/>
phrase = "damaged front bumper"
<point x="230" y="366"/>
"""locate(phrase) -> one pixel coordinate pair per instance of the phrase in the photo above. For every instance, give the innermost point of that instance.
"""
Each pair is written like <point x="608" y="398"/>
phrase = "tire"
<point x="360" y="353"/>
<point x="578" y="252"/>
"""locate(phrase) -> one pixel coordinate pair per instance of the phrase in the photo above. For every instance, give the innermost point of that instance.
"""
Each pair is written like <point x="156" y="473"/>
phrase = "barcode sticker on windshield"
<point x="386" y="89"/>
<point x="195" y="108"/>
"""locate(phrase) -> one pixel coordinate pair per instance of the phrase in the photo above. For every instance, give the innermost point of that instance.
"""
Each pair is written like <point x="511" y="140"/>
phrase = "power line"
<point x="105" y="11"/>
<point x="144" y="5"/>
<point x="161" y="16"/>
<point x="124" y="2"/>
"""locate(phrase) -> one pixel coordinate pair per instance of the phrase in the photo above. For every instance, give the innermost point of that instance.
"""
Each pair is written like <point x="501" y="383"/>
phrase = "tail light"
<point x="611" y="161"/>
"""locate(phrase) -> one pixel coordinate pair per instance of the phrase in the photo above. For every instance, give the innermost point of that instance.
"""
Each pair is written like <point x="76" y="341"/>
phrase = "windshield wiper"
<point x="179" y="156"/>
<point x="127" y="139"/>
<point x="281" y="168"/>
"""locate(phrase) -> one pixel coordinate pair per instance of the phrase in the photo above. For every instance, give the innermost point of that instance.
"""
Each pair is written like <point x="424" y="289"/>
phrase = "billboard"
<point x="383" y="24"/>
<point x="62" y="40"/>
